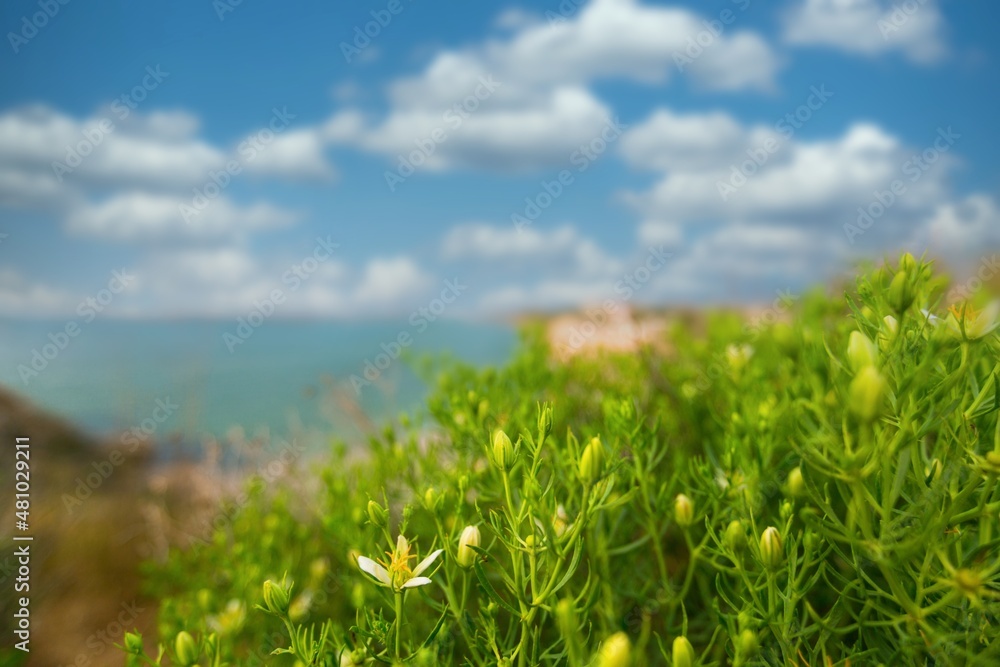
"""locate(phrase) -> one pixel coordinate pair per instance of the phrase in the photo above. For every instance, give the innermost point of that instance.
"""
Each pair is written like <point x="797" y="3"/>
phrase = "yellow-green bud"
<point x="377" y="514"/>
<point x="900" y="293"/>
<point x="430" y="498"/>
<point x="470" y="538"/>
<point x="860" y="351"/>
<point x="616" y="651"/>
<point x="683" y="510"/>
<point x="683" y="652"/>
<point x="275" y="598"/>
<point x="796" y="483"/>
<point x="211" y="645"/>
<point x="354" y="658"/>
<point x="888" y="333"/>
<point x="503" y="450"/>
<point x="738" y="356"/>
<point x="133" y="643"/>
<point x="748" y="645"/>
<point x="566" y="617"/>
<point x="736" y="536"/>
<point x="867" y="391"/>
<point x="908" y="263"/>
<point x="772" y="549"/>
<point x="358" y="596"/>
<point x="545" y="420"/>
<point x="592" y="461"/>
<point x="186" y="649"/>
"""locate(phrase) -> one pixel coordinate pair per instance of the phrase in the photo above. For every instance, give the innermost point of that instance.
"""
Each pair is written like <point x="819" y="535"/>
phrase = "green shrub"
<point x="814" y="492"/>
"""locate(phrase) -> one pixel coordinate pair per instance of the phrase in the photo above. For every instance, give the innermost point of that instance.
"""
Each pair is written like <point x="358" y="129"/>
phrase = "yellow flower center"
<point x="964" y="312"/>
<point x="398" y="566"/>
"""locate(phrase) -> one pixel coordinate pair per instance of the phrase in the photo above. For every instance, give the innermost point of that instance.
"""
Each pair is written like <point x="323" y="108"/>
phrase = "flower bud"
<point x="786" y="510"/>
<point x="748" y="645"/>
<point x="735" y="537"/>
<point x="592" y="461"/>
<point x="354" y="658"/>
<point x="275" y="598"/>
<point x="377" y="514"/>
<point x="738" y="356"/>
<point x="908" y="263"/>
<point x="566" y="617"/>
<point x="503" y="451"/>
<point x="358" y="596"/>
<point x="796" y="484"/>
<point x="466" y="554"/>
<point x="616" y="651"/>
<point x="212" y="645"/>
<point x="186" y="649"/>
<point x="772" y="550"/>
<point x="560" y="521"/>
<point x="900" y="293"/>
<point x="431" y="497"/>
<point x="545" y="420"/>
<point x="888" y="333"/>
<point x="683" y="511"/>
<point x="860" y="351"/>
<point x="866" y="393"/>
<point x="133" y="643"/>
<point x="683" y="652"/>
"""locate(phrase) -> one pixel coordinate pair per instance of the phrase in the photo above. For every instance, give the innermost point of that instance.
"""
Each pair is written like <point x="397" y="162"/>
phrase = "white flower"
<point x="396" y="573"/>
<point x="969" y="324"/>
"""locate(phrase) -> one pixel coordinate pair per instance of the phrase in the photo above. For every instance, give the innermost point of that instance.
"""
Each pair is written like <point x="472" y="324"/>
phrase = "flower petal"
<point x="372" y="568"/>
<point x="402" y="546"/>
<point x="416" y="581"/>
<point x="427" y="562"/>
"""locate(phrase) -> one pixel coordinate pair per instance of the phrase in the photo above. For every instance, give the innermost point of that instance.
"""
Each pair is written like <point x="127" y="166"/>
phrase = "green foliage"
<point x="814" y="492"/>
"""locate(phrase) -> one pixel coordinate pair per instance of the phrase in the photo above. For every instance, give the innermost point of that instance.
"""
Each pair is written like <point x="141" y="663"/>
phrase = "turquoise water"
<point x="109" y="378"/>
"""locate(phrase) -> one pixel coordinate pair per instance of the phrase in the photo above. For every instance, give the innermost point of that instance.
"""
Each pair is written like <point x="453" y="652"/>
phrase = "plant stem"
<point x="399" y="624"/>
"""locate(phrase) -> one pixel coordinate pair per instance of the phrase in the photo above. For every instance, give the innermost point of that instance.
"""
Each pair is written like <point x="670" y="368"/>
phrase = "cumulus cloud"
<point x="560" y="249"/>
<point x="20" y="297"/>
<point x="51" y="159"/>
<point x="960" y="230"/>
<point x="523" y="102"/>
<point x="140" y="216"/>
<point x="791" y="180"/>
<point x="869" y="27"/>
<point x="230" y="281"/>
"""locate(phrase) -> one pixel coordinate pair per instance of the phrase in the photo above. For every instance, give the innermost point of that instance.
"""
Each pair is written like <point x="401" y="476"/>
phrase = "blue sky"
<point x="695" y="90"/>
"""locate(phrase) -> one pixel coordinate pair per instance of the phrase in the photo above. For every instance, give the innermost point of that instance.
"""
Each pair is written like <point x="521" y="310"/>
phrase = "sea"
<point x="187" y="380"/>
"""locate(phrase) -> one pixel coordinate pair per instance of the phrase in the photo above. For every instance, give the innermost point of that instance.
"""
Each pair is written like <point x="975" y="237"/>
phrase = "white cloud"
<point x="960" y="230"/>
<point x="139" y="216"/>
<point x="667" y="141"/>
<point x="869" y="27"/>
<point x="388" y="281"/>
<point x="798" y="182"/>
<point x="158" y="152"/>
<point x="549" y="250"/>
<point x="50" y="159"/>
<point x="228" y="281"/>
<point x="540" y="108"/>
<point x="21" y="298"/>
<point x="294" y="154"/>
<point x="505" y="137"/>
